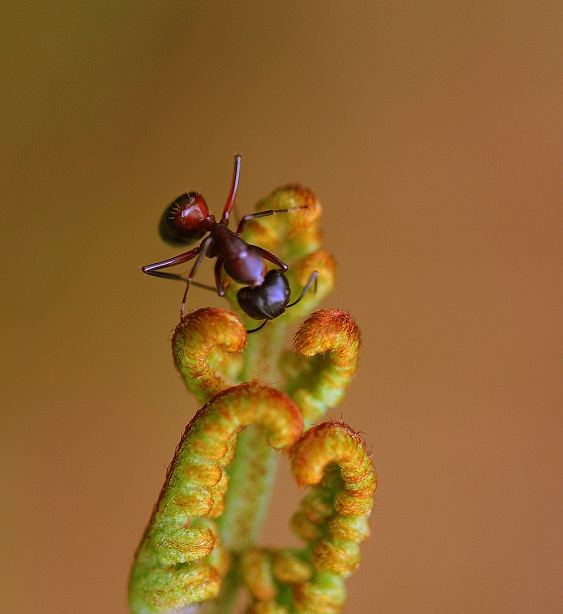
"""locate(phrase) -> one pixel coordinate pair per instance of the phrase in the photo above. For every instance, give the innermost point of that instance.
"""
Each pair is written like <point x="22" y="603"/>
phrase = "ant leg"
<point x="154" y="269"/>
<point x="204" y="286"/>
<point x="176" y="277"/>
<point x="219" y="278"/>
<point x="234" y="186"/>
<point x="255" y="330"/>
<point x="167" y="275"/>
<point x="269" y="256"/>
<point x="312" y="280"/>
<point x="253" y="216"/>
<point x="203" y="249"/>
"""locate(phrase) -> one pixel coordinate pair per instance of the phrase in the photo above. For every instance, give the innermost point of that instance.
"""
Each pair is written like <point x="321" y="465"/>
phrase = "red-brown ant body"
<point x="187" y="219"/>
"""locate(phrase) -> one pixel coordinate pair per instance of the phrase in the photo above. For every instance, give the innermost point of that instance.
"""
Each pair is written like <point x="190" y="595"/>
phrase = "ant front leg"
<point x="253" y="216"/>
<point x="269" y="256"/>
<point x="219" y="278"/>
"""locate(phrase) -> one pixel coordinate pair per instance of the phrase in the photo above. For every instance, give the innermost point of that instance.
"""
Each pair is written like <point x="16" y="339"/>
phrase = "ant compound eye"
<point x="182" y="222"/>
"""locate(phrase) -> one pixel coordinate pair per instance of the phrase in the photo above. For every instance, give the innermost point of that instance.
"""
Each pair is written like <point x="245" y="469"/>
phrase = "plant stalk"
<point x="252" y="472"/>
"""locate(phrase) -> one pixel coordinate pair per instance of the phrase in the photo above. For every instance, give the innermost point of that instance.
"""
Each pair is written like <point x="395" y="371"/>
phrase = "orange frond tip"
<point x="327" y="443"/>
<point x="328" y="330"/>
<point x="327" y="348"/>
<point x="204" y="345"/>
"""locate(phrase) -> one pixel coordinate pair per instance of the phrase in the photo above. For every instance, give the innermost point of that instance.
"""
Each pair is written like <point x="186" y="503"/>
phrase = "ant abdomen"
<point x="182" y="222"/>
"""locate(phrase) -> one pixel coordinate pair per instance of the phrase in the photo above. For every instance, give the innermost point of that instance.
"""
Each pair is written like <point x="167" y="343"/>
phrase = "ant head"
<point x="183" y="221"/>
<point x="268" y="300"/>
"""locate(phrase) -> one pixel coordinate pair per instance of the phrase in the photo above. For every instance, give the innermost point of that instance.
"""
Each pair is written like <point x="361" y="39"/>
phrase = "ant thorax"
<point x="241" y="261"/>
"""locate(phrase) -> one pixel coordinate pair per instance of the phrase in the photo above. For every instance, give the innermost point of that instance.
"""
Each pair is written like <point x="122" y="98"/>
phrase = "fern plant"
<point x="261" y="402"/>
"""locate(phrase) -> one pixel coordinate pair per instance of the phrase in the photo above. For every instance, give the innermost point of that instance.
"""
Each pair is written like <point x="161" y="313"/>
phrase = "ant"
<point x="187" y="219"/>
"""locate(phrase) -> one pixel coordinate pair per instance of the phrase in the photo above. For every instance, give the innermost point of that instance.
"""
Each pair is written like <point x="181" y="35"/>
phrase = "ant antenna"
<point x="255" y="330"/>
<point x="234" y="186"/>
<point x="312" y="280"/>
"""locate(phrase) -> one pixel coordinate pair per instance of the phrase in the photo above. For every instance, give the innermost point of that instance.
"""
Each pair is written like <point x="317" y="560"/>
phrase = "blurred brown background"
<point x="431" y="133"/>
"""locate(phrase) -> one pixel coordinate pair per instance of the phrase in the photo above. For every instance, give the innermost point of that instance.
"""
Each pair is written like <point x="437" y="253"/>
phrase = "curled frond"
<point x="327" y="346"/>
<point x="333" y="518"/>
<point x="335" y="442"/>
<point x="237" y="408"/>
<point x="158" y="589"/>
<point x="292" y="235"/>
<point x="181" y="546"/>
<point x="204" y="347"/>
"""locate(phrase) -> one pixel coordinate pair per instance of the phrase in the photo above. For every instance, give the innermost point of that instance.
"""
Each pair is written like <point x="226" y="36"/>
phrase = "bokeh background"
<point x="431" y="133"/>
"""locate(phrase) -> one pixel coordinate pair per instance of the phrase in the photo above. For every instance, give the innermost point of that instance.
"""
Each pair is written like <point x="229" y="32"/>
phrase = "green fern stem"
<point x="253" y="470"/>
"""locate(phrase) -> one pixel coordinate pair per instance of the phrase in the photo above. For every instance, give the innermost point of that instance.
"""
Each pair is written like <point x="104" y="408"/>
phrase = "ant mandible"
<point x="187" y="219"/>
